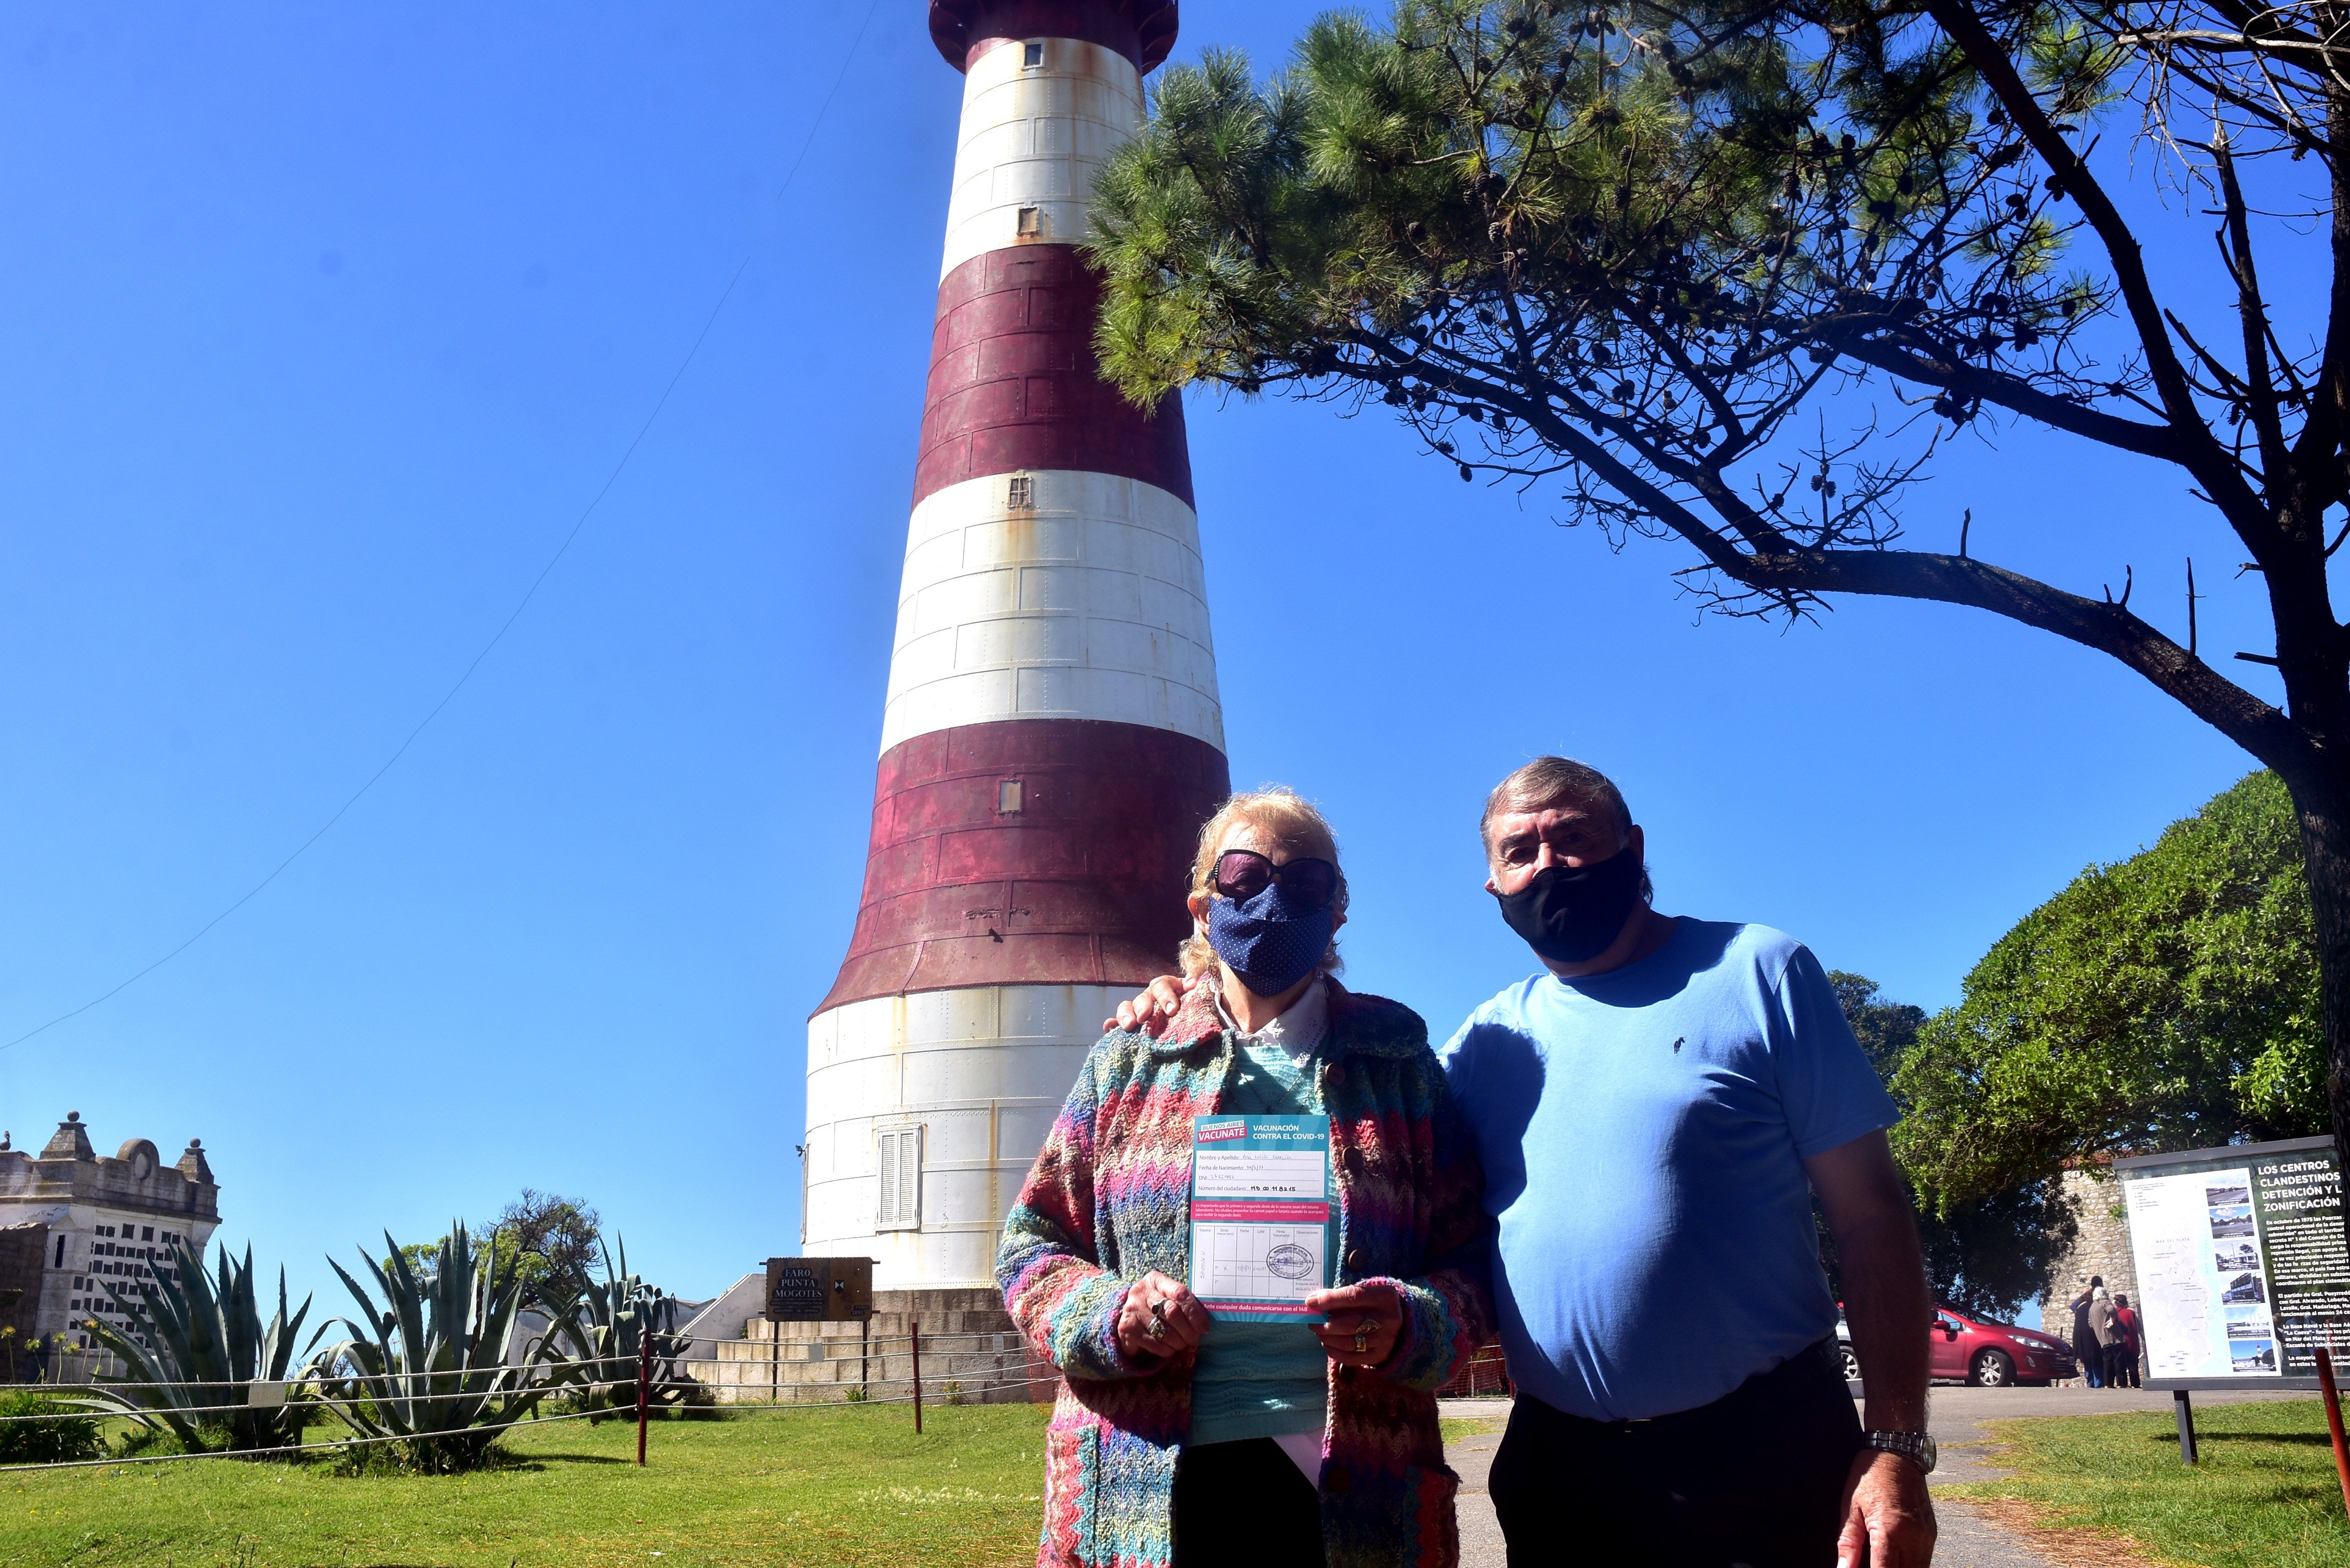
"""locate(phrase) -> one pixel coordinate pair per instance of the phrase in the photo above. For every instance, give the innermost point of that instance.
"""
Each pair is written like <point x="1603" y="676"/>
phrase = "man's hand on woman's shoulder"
<point x="1151" y="1012"/>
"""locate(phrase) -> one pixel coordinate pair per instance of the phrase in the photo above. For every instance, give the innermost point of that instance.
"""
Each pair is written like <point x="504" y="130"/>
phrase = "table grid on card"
<point x="1238" y="1266"/>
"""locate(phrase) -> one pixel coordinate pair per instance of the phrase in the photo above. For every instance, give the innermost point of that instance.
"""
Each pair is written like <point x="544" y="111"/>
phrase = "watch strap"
<point x="1916" y="1447"/>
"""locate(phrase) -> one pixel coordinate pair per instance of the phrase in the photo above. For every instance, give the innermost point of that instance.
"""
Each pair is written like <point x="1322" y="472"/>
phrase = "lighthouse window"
<point x="1032" y="221"/>
<point x="1024" y="491"/>
<point x="1008" y="796"/>
<point x="1031" y="56"/>
<point x="900" y="1163"/>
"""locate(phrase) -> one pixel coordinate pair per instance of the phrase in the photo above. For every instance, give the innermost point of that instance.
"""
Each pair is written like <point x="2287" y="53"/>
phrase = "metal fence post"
<point x="2334" y="1420"/>
<point x="644" y="1378"/>
<point x="916" y="1330"/>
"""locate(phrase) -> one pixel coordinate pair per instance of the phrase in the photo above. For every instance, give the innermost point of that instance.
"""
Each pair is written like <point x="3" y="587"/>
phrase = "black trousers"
<point x="1755" y="1478"/>
<point x="2121" y="1365"/>
<point x="1241" y="1504"/>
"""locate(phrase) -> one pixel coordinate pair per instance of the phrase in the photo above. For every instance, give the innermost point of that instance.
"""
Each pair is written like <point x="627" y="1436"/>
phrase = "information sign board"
<point x="819" y="1289"/>
<point x="1261" y="1220"/>
<point x="2242" y="1266"/>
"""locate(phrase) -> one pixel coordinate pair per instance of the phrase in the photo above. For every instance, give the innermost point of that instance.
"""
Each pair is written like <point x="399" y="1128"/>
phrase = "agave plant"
<point x="607" y="1326"/>
<point x="208" y="1347"/>
<point x="432" y="1364"/>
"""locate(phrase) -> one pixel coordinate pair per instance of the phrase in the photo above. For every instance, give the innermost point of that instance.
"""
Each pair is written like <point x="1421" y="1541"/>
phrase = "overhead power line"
<point x="520" y="605"/>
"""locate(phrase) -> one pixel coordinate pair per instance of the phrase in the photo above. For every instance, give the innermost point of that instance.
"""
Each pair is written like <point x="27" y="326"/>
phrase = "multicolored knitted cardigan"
<point x="1108" y="1200"/>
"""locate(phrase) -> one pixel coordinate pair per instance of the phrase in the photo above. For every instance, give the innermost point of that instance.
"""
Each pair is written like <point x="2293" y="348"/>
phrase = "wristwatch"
<point x="1916" y="1447"/>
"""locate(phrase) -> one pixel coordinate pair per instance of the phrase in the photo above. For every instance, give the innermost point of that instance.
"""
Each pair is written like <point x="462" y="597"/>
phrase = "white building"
<point x="72" y="1223"/>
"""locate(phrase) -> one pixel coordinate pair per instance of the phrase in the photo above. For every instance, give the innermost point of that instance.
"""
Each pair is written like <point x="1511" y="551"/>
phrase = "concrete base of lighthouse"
<point x="972" y="1354"/>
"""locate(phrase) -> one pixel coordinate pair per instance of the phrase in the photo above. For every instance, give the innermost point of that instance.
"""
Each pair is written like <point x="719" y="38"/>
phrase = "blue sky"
<point x="322" y="326"/>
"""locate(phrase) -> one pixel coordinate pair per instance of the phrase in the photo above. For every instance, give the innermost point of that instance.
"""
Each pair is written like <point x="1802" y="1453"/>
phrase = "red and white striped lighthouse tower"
<point x="1053" y="736"/>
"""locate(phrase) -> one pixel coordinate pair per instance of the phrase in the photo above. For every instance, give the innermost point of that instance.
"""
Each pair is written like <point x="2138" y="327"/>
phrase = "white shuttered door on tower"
<point x="899" y="1159"/>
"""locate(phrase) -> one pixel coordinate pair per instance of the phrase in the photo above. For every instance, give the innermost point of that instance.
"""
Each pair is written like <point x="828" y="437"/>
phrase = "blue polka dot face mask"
<point x="1271" y="924"/>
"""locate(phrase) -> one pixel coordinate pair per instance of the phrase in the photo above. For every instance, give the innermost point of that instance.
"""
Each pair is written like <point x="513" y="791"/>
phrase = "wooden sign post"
<point x="819" y="1289"/>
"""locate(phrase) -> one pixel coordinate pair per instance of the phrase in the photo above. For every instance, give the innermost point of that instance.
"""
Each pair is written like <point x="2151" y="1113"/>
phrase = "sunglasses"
<point x="1242" y="874"/>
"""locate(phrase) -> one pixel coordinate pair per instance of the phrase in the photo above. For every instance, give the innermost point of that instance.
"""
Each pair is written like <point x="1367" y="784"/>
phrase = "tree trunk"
<point x="2321" y="800"/>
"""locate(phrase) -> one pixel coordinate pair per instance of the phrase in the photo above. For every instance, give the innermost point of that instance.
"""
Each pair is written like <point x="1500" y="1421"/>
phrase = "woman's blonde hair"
<point x="1292" y="821"/>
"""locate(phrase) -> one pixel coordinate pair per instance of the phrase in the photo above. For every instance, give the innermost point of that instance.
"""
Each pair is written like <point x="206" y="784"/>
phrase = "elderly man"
<point x="1655" y="1112"/>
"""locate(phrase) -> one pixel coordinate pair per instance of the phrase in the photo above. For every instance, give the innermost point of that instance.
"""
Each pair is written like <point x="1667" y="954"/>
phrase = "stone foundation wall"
<point x="968" y="1340"/>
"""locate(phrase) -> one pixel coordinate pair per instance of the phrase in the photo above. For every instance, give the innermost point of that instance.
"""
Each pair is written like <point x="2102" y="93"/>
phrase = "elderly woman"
<point x="1181" y="1441"/>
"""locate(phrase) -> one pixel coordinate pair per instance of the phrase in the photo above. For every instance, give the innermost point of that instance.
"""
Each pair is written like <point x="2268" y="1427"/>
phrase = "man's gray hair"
<point x="1553" y="781"/>
<point x="1559" y="781"/>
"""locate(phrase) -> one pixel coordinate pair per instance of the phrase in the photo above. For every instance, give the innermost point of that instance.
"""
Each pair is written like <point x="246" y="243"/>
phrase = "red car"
<point x="1989" y="1355"/>
<point x="1995" y="1355"/>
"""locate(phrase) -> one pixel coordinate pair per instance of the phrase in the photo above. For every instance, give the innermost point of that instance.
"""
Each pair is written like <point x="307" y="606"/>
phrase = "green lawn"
<point x="2266" y="1495"/>
<point x="837" y="1485"/>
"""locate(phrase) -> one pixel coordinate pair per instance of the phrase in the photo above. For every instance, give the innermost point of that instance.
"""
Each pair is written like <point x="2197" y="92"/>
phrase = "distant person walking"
<point x="2088" y="1348"/>
<point x="2107" y="1327"/>
<point x="2122" y="1354"/>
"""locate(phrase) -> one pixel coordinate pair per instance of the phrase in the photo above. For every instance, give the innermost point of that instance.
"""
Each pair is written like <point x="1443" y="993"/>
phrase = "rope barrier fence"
<point x="998" y="1341"/>
<point x="139" y="1401"/>
<point x="297" y="1395"/>
<point x="133" y="1387"/>
<point x="723" y="1412"/>
<point x="285" y="1453"/>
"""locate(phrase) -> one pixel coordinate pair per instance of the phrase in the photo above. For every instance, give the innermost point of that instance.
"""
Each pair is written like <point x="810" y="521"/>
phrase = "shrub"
<point x="206" y="1344"/>
<point x="150" y="1442"/>
<point x="433" y="1365"/>
<point x="606" y="1325"/>
<point x="36" y="1429"/>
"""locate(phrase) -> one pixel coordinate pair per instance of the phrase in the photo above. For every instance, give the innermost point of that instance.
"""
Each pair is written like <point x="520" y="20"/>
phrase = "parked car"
<point x="1979" y="1351"/>
<point x="1992" y="1354"/>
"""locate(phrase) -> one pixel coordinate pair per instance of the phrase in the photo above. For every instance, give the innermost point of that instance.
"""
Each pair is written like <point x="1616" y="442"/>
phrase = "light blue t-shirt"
<point x="1643" y="1133"/>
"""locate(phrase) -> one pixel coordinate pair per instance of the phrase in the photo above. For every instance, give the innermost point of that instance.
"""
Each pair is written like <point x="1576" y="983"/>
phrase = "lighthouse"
<point x="1052" y="738"/>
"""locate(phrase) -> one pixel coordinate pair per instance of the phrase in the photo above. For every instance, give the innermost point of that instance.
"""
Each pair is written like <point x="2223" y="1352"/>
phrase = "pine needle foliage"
<point x="1729" y="274"/>
<point x="1619" y="250"/>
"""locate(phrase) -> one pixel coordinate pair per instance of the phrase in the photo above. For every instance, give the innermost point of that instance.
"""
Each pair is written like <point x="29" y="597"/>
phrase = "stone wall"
<point x="23" y="1250"/>
<point x="967" y="1340"/>
<point x="2101" y="1249"/>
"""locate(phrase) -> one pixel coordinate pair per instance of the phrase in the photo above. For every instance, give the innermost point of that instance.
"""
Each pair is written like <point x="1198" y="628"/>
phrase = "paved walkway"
<point x="1969" y="1539"/>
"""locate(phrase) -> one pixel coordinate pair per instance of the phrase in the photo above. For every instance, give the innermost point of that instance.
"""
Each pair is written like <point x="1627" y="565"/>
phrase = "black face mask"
<point x="1572" y="916"/>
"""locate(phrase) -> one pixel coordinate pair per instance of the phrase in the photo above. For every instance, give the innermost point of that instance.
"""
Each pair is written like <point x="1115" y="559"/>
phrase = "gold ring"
<point x="1159" y="1309"/>
<point x="1158" y="1328"/>
<point x="1362" y="1341"/>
